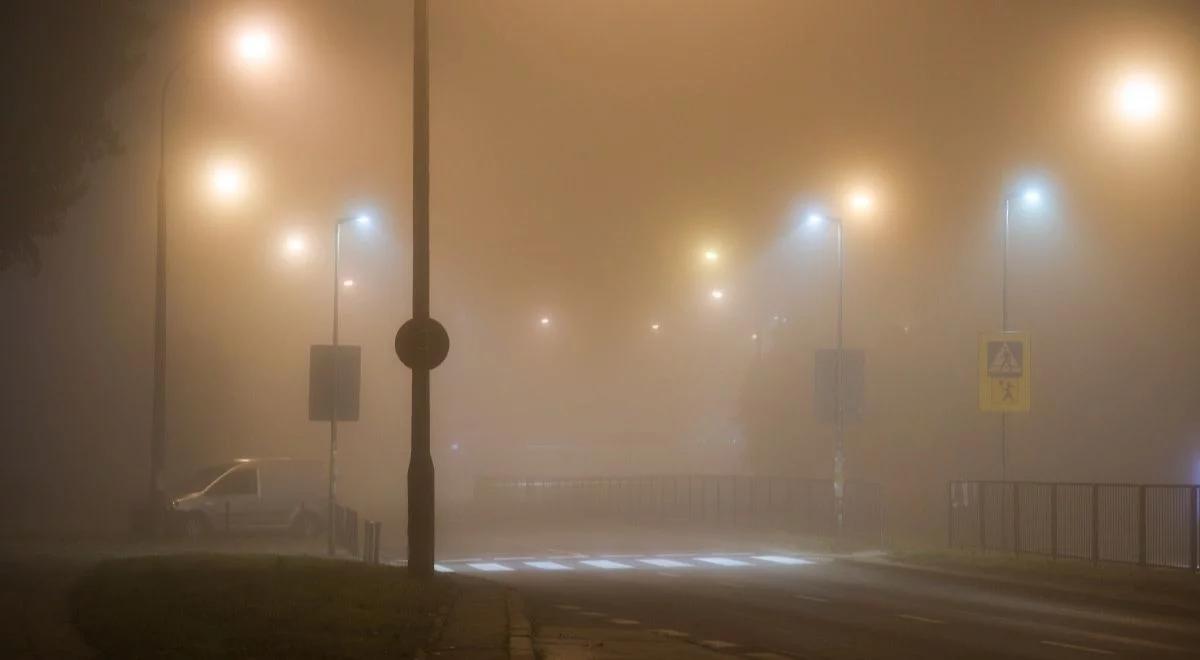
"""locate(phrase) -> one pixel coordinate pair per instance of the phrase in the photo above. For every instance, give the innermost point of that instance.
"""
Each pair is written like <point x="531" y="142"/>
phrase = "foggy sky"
<point x="584" y="153"/>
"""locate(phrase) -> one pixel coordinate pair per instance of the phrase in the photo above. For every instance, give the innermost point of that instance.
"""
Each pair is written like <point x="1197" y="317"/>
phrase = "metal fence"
<point x="1150" y="525"/>
<point x="803" y="506"/>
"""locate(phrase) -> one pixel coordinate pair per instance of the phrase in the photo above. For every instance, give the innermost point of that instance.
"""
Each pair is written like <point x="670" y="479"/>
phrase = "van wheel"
<point x="306" y="525"/>
<point x="196" y="526"/>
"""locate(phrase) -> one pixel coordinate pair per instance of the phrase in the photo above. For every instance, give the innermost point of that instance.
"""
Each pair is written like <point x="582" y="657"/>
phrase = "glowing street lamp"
<point x="544" y="321"/>
<point x="294" y="245"/>
<point x="347" y="284"/>
<point x="255" y="46"/>
<point x="717" y="294"/>
<point x="655" y="327"/>
<point x="1140" y="98"/>
<point x="228" y="181"/>
<point x="711" y="256"/>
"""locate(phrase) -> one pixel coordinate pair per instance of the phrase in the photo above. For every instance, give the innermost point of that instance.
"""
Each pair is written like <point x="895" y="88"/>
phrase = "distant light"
<point x="454" y="446"/>
<point x="815" y="219"/>
<point x="717" y="294"/>
<point x="1140" y="98"/>
<point x="544" y="321"/>
<point x="295" y="245"/>
<point x="228" y="181"/>
<point x="363" y="220"/>
<point x="754" y="337"/>
<point x="256" y="46"/>
<point x="347" y="283"/>
<point x="861" y="201"/>
<point x="711" y="256"/>
<point x="1032" y="197"/>
<point x="654" y="327"/>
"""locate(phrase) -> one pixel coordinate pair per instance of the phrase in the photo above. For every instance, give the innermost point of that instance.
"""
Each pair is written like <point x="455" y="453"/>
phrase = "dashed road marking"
<point x="815" y="599"/>
<point x="624" y="622"/>
<point x="669" y="632"/>
<point x="568" y="607"/>
<point x="1074" y="647"/>
<point x="548" y="566"/>
<point x="591" y="613"/>
<point x="606" y="564"/>
<point x="717" y="644"/>
<point x="920" y="619"/>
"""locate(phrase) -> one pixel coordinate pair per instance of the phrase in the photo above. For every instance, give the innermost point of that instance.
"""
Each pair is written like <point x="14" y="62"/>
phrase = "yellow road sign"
<point x="1004" y="363"/>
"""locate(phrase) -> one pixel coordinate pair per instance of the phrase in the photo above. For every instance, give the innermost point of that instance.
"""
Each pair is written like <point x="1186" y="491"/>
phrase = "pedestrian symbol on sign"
<point x="1004" y="359"/>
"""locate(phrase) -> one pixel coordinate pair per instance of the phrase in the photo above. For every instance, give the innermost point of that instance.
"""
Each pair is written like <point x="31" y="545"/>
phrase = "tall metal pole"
<point x="1004" y="327"/>
<point x="839" y="448"/>
<point x="420" y="465"/>
<point x="158" y="424"/>
<point x="333" y="412"/>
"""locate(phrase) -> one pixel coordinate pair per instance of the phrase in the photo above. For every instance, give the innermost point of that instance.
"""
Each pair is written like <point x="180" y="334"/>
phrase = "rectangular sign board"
<point x="1004" y="366"/>
<point x="320" y="382"/>
<point x="853" y="384"/>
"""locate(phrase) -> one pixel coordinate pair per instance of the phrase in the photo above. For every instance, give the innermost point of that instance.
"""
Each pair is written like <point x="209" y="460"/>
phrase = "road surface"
<point x="734" y="601"/>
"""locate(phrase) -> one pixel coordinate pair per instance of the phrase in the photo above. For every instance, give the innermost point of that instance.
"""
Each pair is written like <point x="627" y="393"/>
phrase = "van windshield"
<point x="201" y="478"/>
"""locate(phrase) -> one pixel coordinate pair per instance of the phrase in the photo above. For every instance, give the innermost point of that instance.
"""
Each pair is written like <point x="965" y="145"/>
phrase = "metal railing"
<point x="804" y="506"/>
<point x="1149" y="525"/>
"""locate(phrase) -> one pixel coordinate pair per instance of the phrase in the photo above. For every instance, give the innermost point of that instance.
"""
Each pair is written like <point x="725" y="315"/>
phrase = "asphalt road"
<point x="829" y="608"/>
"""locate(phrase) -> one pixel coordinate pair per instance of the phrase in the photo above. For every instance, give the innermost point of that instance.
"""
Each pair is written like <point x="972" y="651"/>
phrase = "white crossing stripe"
<point x="606" y="564"/>
<point x="489" y="567"/>
<point x="815" y="599"/>
<point x="717" y="644"/>
<point x="590" y="613"/>
<point x="1073" y="647"/>
<point x="624" y="622"/>
<point x="568" y="607"/>
<point x="665" y="563"/>
<point x="722" y="561"/>
<point x="779" y="559"/>
<point x="669" y="632"/>
<point x="548" y="565"/>
<point x="766" y="655"/>
<point x="921" y="619"/>
<point x="442" y="569"/>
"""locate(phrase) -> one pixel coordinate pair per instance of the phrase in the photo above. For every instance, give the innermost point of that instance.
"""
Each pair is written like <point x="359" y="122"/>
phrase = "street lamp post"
<point x="839" y="445"/>
<point x="333" y="414"/>
<point x="1004" y="328"/>
<point x="158" y="431"/>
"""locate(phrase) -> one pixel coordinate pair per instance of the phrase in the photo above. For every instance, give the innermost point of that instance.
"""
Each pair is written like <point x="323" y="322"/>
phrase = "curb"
<point x="520" y="632"/>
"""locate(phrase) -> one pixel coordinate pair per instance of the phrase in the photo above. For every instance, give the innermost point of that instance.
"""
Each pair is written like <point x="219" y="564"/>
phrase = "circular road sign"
<point x="422" y="344"/>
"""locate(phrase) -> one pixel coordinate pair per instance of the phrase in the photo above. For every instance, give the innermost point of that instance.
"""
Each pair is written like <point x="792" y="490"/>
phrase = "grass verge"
<point x="253" y="606"/>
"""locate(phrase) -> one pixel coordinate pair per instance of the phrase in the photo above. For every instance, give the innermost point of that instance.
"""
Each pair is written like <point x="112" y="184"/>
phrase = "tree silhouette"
<point x="60" y="61"/>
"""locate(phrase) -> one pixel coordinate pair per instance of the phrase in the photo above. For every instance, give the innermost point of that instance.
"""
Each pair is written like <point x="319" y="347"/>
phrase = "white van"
<point x="257" y="494"/>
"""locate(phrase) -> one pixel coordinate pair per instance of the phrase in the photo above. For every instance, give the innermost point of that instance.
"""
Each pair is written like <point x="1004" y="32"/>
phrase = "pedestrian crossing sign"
<point x="1004" y="362"/>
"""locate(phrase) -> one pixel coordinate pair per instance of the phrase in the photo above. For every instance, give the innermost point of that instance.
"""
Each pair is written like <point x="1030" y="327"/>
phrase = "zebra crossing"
<point x="582" y="562"/>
